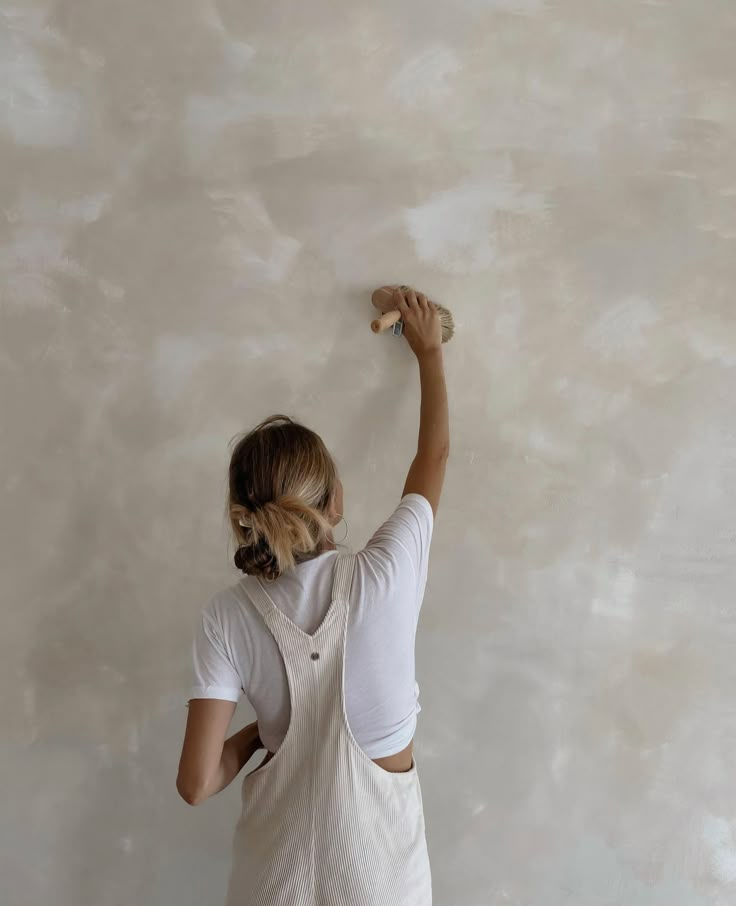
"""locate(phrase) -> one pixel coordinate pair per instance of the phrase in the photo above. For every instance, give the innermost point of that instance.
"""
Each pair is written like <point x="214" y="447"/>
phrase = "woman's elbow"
<point x="191" y="793"/>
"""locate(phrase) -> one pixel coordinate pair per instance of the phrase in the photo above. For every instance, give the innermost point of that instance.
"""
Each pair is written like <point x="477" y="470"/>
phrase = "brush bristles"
<point x="448" y="325"/>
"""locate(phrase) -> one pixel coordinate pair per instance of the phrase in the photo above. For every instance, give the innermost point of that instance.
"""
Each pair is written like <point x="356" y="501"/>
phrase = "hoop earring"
<point x="346" y="531"/>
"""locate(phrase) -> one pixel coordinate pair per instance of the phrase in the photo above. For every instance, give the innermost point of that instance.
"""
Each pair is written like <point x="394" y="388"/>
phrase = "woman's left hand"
<point x="256" y="737"/>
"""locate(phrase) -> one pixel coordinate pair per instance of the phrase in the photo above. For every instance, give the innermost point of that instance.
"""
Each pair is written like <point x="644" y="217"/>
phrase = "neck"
<point x="327" y="545"/>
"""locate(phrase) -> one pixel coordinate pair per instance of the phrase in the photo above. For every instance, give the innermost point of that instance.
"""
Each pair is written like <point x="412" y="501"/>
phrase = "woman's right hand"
<point x="422" y="326"/>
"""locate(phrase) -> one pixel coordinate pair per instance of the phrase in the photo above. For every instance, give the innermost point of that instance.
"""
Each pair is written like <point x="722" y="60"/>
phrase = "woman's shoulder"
<point x="400" y="545"/>
<point x="224" y="601"/>
<point x="417" y="503"/>
<point x="411" y="520"/>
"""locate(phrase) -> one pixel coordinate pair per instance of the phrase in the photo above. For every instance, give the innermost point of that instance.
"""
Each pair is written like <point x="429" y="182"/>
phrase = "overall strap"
<point x="343" y="577"/>
<point x="259" y="596"/>
<point x="341" y="582"/>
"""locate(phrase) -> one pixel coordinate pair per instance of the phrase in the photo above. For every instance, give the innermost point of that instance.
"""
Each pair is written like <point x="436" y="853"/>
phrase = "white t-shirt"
<point x="234" y="652"/>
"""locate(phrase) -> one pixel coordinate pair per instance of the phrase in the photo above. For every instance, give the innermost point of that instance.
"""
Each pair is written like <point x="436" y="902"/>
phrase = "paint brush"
<point x="382" y="298"/>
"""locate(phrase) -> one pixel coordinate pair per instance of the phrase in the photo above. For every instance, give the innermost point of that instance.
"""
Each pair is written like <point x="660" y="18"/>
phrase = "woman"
<point x="322" y="644"/>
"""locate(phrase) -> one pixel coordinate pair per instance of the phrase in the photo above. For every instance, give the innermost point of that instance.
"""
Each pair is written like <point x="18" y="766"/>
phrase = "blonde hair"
<point x="281" y="481"/>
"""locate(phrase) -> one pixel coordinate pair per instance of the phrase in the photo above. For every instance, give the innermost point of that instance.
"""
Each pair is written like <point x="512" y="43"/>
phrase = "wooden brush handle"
<point x="385" y="321"/>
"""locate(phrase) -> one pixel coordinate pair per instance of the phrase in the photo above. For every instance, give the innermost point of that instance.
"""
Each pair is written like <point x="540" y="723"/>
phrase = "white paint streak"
<point x="591" y="404"/>
<point x="619" y="602"/>
<point x="560" y="760"/>
<point x="454" y="230"/>
<point x="30" y="263"/>
<point x="715" y="344"/>
<point x="718" y="838"/>
<point x="620" y="331"/>
<point x="250" y="244"/>
<point x="236" y="54"/>
<point x="32" y="109"/>
<point x="422" y="80"/>
<point x="32" y="208"/>
<point x="110" y="290"/>
<point x="176" y="356"/>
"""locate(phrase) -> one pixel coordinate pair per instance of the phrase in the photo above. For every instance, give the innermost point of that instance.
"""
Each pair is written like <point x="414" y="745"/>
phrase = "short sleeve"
<point x="214" y="675"/>
<point x="402" y="542"/>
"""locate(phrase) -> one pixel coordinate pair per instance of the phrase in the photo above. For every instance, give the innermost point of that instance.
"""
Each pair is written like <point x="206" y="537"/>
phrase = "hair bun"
<point x="257" y="558"/>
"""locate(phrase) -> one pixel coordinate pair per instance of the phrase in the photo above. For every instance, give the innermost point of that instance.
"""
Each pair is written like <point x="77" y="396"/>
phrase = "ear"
<point x="331" y="513"/>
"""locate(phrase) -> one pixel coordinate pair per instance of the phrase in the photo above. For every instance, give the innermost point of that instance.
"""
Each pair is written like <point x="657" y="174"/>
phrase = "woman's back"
<point x="235" y="654"/>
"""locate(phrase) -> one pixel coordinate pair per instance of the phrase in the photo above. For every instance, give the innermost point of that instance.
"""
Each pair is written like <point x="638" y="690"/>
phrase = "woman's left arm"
<point x="209" y="762"/>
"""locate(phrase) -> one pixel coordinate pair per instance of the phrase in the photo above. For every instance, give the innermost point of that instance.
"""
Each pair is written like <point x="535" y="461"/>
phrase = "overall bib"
<point x="322" y="824"/>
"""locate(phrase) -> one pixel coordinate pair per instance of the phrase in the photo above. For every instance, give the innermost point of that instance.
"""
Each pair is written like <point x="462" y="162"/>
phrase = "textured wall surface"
<point x="197" y="199"/>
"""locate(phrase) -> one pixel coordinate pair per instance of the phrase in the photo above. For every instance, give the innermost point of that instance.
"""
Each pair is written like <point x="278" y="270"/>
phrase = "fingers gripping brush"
<point x="390" y="317"/>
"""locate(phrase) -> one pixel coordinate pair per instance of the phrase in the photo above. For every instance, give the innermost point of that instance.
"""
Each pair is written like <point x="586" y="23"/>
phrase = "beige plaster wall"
<point x="197" y="199"/>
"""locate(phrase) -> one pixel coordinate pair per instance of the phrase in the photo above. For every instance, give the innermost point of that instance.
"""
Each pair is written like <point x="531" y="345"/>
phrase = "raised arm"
<point x="423" y="332"/>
